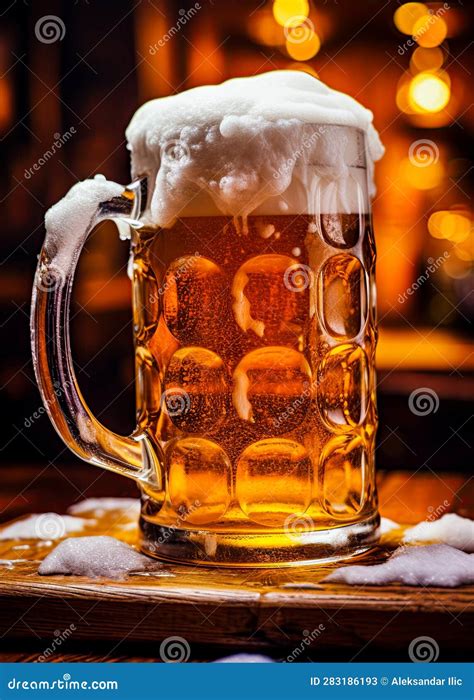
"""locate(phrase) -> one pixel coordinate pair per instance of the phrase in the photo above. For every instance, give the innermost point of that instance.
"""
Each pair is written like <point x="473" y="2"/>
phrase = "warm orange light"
<point x="406" y="16"/>
<point x="430" y="30"/>
<point x="435" y="223"/>
<point x="422" y="178"/>
<point x="454" y="226"/>
<point x="402" y="94"/>
<point x="426" y="59"/>
<point x="428" y="92"/>
<point x="465" y="249"/>
<point x="263" y="29"/>
<point x="6" y="102"/>
<point x="290" y="13"/>
<point x="302" y="43"/>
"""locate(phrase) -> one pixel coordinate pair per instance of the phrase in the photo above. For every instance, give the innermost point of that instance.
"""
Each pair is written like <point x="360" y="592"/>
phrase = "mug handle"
<point x="73" y="222"/>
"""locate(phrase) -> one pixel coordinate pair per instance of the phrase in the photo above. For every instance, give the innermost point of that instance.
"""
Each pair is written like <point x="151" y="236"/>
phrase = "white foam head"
<point x="279" y="142"/>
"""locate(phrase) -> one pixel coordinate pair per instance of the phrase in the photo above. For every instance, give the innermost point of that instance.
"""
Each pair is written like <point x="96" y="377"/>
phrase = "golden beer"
<point x="254" y="358"/>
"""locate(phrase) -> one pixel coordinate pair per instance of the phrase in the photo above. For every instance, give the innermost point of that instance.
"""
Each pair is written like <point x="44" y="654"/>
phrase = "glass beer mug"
<point x="255" y="380"/>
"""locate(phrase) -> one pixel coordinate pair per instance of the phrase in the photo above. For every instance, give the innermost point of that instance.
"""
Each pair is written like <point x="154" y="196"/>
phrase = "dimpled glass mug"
<point x="255" y="381"/>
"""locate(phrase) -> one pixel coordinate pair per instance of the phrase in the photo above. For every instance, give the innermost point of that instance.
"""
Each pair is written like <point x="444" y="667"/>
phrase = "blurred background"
<point x="71" y="76"/>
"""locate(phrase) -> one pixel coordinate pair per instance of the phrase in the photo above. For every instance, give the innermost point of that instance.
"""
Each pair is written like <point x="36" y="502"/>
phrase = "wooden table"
<point x="219" y="612"/>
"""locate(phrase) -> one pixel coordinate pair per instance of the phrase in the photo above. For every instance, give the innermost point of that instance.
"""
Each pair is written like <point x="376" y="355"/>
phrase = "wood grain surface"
<point x="269" y="610"/>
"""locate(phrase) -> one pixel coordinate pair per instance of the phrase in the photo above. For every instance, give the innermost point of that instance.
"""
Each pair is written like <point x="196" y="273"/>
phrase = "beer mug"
<point x="255" y="380"/>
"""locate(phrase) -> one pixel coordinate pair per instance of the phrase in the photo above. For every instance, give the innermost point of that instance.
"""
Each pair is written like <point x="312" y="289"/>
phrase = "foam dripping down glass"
<point x="254" y="325"/>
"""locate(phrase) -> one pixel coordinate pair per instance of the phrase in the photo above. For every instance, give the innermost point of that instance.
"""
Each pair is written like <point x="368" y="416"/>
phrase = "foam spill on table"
<point x="442" y="563"/>
<point x="450" y="529"/>
<point x="431" y="551"/>
<point x="97" y="556"/>
<point x="99" y="506"/>
<point x="44" y="526"/>
<point x="430" y="565"/>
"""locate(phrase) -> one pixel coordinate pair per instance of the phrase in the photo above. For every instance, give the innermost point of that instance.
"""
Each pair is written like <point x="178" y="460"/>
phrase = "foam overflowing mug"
<point x="254" y="321"/>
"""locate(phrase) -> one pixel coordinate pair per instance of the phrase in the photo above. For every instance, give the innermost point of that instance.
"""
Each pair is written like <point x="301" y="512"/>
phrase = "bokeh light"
<point x="302" y="48"/>
<point x="454" y="226"/>
<point x="402" y="94"/>
<point x="424" y="59"/>
<point x="430" y="31"/>
<point x="290" y="13"/>
<point x="464" y="250"/>
<point x="429" y="92"/>
<point x="407" y="15"/>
